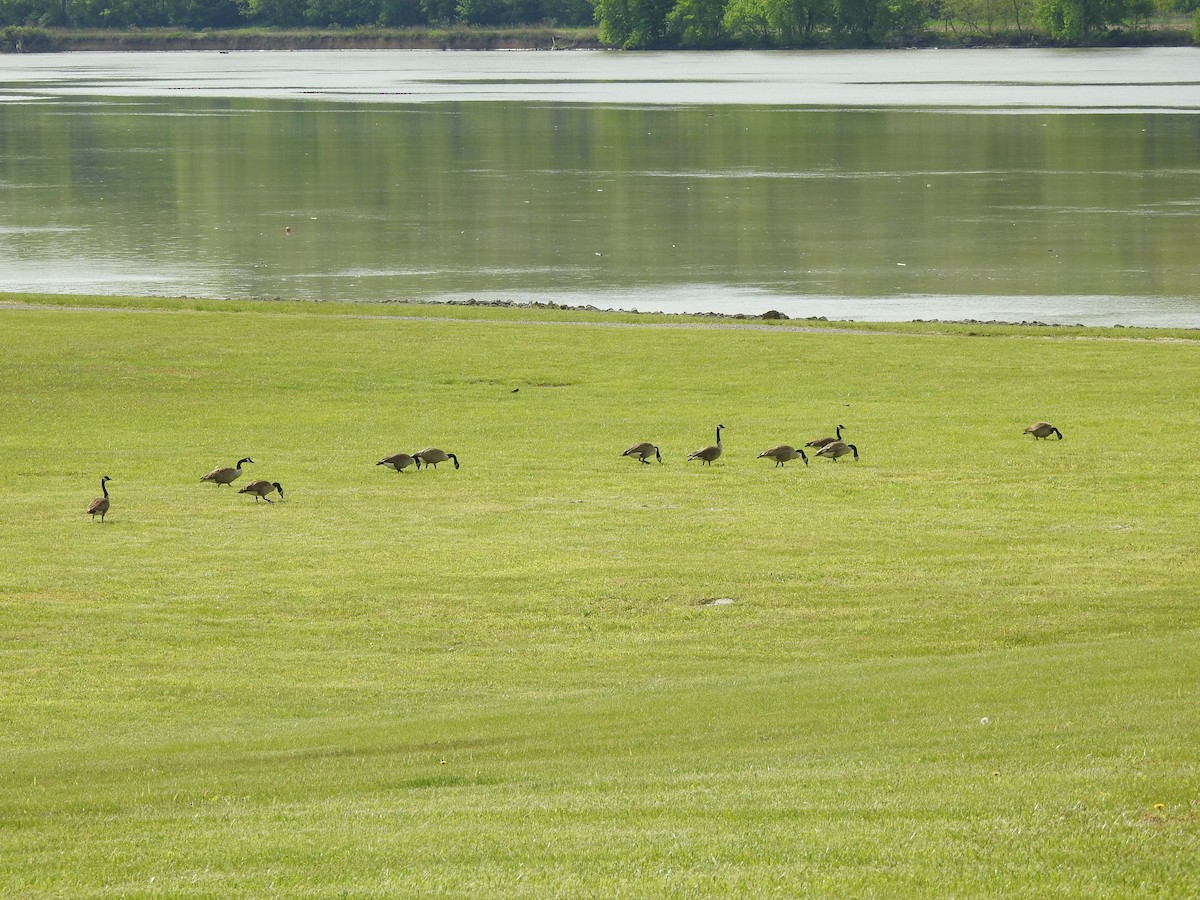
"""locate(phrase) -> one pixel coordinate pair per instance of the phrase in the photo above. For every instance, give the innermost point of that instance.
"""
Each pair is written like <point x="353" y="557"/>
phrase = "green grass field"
<point x="965" y="665"/>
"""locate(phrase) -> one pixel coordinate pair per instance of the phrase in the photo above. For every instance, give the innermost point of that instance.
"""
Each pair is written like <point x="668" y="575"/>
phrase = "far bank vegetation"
<point x="48" y="25"/>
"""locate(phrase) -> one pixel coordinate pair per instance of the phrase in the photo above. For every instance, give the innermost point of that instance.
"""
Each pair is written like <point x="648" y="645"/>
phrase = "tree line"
<point x="642" y="24"/>
<point x="714" y="24"/>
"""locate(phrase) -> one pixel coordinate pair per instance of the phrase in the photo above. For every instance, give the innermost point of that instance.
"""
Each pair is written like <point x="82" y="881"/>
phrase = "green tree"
<point x="853" y="21"/>
<point x="198" y="14"/>
<point x="481" y="12"/>
<point x="400" y="13"/>
<point x="633" y="24"/>
<point x="749" y="23"/>
<point x="28" y="12"/>
<point x="697" y="24"/>
<point x="794" y="21"/>
<point x="1077" y="21"/>
<point x="612" y="16"/>
<point x="438" y="11"/>
<point x="272" y="12"/>
<point x="345" y="13"/>
<point x="786" y="23"/>
<point x="866" y="22"/>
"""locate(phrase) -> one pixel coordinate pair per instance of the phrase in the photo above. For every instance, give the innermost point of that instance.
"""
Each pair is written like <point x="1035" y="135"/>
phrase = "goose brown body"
<point x="783" y="453"/>
<point x="1042" y="430"/>
<point x="226" y="474"/>
<point x="709" y="453"/>
<point x="431" y="456"/>
<point x="826" y="441"/>
<point x="260" y="489"/>
<point x="836" y="449"/>
<point x="643" y="452"/>
<point x="399" y="461"/>
<point x="99" y="506"/>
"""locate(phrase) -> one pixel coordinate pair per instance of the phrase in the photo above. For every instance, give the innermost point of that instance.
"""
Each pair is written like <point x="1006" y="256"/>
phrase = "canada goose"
<point x="826" y="441"/>
<point x="709" y="453"/>
<point x="836" y="449"/>
<point x="782" y="454"/>
<point x="1042" y="430"/>
<point x="399" y="461"/>
<point x="226" y="474"/>
<point x="260" y="489"/>
<point x="99" y="506"/>
<point x="431" y="456"/>
<point x="643" y="452"/>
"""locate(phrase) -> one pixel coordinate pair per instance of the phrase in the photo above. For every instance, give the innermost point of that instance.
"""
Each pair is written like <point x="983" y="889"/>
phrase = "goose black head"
<point x="279" y="488"/>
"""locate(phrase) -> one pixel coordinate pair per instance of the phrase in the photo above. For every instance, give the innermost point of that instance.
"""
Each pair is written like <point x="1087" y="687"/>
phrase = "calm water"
<point x="1059" y="186"/>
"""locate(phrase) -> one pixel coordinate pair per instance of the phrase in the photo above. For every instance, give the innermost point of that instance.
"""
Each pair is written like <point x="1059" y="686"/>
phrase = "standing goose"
<point x="709" y="453"/>
<point x="99" y="506"/>
<point x="260" y="489"/>
<point x="399" y="461"/>
<point x="782" y="454"/>
<point x="226" y="474"/>
<point x="431" y="456"/>
<point x="643" y="452"/>
<point x="1042" y="430"/>
<point x="836" y="449"/>
<point x="826" y="441"/>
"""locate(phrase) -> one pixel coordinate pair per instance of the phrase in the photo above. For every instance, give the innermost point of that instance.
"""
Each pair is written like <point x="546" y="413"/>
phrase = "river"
<point x="1057" y="186"/>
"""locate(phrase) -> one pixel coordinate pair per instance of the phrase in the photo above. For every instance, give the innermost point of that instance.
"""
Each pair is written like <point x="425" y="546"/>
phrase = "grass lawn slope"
<point x="964" y="665"/>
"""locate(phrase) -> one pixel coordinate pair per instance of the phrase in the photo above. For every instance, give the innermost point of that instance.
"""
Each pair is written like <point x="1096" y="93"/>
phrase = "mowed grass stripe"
<point x="1066" y="770"/>
<point x="307" y="660"/>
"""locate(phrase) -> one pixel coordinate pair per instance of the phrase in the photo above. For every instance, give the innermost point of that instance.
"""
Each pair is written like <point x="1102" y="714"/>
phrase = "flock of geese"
<point x="832" y="448"/>
<point x="261" y="489"/>
<point x="829" y="447"/>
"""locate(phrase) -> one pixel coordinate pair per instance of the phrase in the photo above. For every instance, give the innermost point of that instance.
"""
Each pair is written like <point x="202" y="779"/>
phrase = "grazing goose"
<point x="836" y="449"/>
<point x="1042" y="430"/>
<point x="260" y="489"/>
<point x="431" y="456"/>
<point x="709" y="453"/>
<point x="782" y="454"/>
<point x="99" y="506"/>
<point x="826" y="441"/>
<point x="399" y="461"/>
<point x="226" y="474"/>
<point x="643" y="452"/>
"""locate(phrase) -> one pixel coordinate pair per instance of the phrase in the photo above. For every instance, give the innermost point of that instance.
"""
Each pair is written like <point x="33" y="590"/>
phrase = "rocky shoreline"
<point x="769" y="315"/>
